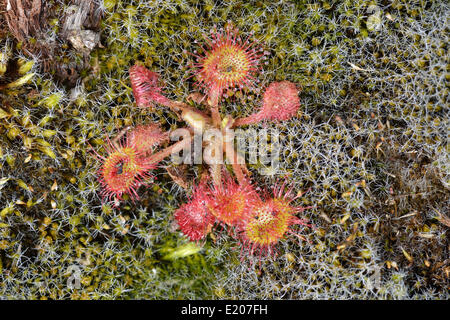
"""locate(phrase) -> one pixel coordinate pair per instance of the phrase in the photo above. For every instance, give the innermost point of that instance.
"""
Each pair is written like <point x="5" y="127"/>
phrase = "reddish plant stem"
<point x="216" y="175"/>
<point x="237" y="170"/>
<point x="213" y="101"/>
<point x="177" y="147"/>
<point x="178" y="106"/>
<point x="215" y="116"/>
<point x="251" y="119"/>
<point x="234" y="159"/>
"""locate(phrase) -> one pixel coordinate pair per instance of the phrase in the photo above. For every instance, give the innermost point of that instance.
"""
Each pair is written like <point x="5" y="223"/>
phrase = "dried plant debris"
<point x="78" y="16"/>
<point x="42" y="28"/>
<point x="25" y="18"/>
<point x="82" y="14"/>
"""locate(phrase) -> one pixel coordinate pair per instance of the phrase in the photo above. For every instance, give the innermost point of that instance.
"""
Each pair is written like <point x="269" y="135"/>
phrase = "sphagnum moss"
<point x="370" y="145"/>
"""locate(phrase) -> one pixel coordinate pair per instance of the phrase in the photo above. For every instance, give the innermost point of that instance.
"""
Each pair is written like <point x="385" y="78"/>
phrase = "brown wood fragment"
<point x="25" y="18"/>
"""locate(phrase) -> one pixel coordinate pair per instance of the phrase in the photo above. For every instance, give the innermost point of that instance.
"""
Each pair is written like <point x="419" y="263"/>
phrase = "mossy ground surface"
<point x="370" y="145"/>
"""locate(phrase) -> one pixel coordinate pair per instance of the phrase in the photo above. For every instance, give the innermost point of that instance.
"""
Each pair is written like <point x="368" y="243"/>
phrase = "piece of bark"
<point x="79" y="15"/>
<point x="25" y="18"/>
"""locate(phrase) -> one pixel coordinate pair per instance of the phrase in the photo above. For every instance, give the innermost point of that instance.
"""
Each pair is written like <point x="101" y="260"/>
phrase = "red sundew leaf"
<point x="145" y="87"/>
<point x="145" y="137"/>
<point x="228" y="61"/>
<point x="231" y="202"/>
<point x="193" y="217"/>
<point x="270" y="221"/>
<point x="122" y="171"/>
<point x="280" y="102"/>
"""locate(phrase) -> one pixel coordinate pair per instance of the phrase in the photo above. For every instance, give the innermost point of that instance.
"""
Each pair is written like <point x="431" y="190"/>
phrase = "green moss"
<point x="370" y="145"/>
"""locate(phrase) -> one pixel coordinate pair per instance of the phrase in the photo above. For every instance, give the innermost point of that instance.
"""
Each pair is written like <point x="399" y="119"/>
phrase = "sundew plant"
<point x="224" y="149"/>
